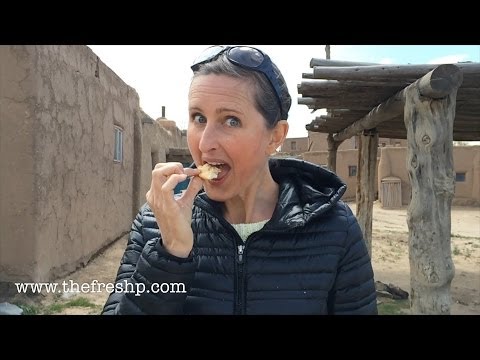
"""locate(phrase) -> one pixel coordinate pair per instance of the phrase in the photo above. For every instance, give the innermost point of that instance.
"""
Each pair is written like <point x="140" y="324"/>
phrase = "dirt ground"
<point x="390" y="253"/>
<point x="390" y="263"/>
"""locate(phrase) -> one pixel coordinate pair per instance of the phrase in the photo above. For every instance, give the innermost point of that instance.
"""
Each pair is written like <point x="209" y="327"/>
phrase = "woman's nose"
<point x="209" y="139"/>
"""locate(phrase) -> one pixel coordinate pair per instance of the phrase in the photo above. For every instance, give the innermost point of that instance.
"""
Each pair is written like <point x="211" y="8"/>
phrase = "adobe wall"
<point x="466" y="159"/>
<point x="392" y="164"/>
<point x="157" y="137"/>
<point x="17" y="165"/>
<point x="63" y="197"/>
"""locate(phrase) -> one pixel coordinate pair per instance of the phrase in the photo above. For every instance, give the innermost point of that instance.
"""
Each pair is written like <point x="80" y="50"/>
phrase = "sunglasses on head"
<point x="246" y="57"/>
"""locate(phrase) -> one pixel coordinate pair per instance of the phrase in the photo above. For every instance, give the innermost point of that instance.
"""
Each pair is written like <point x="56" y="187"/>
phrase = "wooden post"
<point x="429" y="116"/>
<point x="366" y="177"/>
<point x="332" y="152"/>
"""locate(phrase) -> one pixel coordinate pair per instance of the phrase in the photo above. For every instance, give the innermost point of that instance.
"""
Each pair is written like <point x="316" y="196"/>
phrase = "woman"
<point x="266" y="236"/>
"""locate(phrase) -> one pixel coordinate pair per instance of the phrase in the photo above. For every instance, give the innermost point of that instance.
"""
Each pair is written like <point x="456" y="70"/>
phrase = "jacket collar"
<point x="306" y="191"/>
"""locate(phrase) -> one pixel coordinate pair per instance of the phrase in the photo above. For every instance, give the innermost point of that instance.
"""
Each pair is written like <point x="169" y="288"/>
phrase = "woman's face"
<point x="226" y="130"/>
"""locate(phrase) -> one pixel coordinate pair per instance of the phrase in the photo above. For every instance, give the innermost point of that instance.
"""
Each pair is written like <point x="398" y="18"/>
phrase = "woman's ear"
<point x="277" y="136"/>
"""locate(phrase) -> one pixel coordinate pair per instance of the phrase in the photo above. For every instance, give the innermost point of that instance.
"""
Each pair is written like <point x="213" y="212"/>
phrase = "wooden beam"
<point x="467" y="109"/>
<point x="471" y="80"/>
<point x="322" y="118"/>
<point x="366" y="178"/>
<point x="457" y="136"/>
<point x="429" y="124"/>
<point x="440" y="82"/>
<point x="318" y="86"/>
<point x="469" y="95"/>
<point x="436" y="84"/>
<point x="323" y="62"/>
<point x="335" y="117"/>
<point x="391" y="108"/>
<point x="385" y="72"/>
<point x="467" y="136"/>
<point x="343" y="111"/>
<point x="365" y="102"/>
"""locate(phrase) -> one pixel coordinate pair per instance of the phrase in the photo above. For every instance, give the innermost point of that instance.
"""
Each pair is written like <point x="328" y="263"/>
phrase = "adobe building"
<point x="76" y="155"/>
<point x="316" y="141"/>
<point x="392" y="175"/>
<point x="392" y="169"/>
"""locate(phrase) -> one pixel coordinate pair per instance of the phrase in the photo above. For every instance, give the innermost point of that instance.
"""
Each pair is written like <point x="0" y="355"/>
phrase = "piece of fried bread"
<point x="208" y="172"/>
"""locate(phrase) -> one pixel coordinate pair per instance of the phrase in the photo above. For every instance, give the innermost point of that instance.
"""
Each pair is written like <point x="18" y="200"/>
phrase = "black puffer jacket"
<point x="310" y="258"/>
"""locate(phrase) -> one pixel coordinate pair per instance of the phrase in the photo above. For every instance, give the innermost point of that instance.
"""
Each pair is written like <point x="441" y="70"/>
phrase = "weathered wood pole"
<point x="429" y="114"/>
<point x="366" y="178"/>
<point x="332" y="152"/>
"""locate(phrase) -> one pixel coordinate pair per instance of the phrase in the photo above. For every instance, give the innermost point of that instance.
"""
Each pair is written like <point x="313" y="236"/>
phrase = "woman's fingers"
<point x="172" y="181"/>
<point x="160" y="175"/>
<point x="191" y="172"/>
<point x="163" y="170"/>
<point x="165" y="177"/>
<point x="193" y="188"/>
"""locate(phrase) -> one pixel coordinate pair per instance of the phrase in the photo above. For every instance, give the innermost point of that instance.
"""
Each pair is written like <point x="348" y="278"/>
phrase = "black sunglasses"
<point x="249" y="58"/>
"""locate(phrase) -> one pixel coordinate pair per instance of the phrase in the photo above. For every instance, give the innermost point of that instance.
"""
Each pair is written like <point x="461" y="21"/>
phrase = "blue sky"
<point x="161" y="73"/>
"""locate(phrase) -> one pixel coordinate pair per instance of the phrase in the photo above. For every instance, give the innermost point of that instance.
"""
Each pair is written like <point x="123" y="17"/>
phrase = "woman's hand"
<point x="174" y="216"/>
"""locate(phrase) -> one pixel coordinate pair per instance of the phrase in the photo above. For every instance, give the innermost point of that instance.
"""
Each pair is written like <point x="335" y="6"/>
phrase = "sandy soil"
<point x="390" y="253"/>
<point x="390" y="261"/>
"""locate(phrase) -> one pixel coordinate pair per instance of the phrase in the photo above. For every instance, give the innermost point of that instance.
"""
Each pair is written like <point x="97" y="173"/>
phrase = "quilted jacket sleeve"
<point x="149" y="280"/>
<point x="354" y="290"/>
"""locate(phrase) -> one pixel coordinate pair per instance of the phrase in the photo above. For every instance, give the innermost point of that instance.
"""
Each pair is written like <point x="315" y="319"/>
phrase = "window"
<point x="118" y="151"/>
<point x="352" y="170"/>
<point x="460" y="177"/>
<point x="293" y="145"/>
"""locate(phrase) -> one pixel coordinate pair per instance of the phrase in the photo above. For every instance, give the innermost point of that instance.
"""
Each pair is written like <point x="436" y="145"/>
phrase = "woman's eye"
<point x="200" y="119"/>
<point x="233" y="122"/>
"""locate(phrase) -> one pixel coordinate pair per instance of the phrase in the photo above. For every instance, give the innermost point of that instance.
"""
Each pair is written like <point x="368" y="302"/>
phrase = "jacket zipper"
<point x="240" y="294"/>
<point x="240" y="253"/>
<point x="240" y="308"/>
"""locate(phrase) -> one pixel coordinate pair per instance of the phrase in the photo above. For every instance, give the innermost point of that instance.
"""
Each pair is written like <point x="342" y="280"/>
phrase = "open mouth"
<point x="222" y="170"/>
